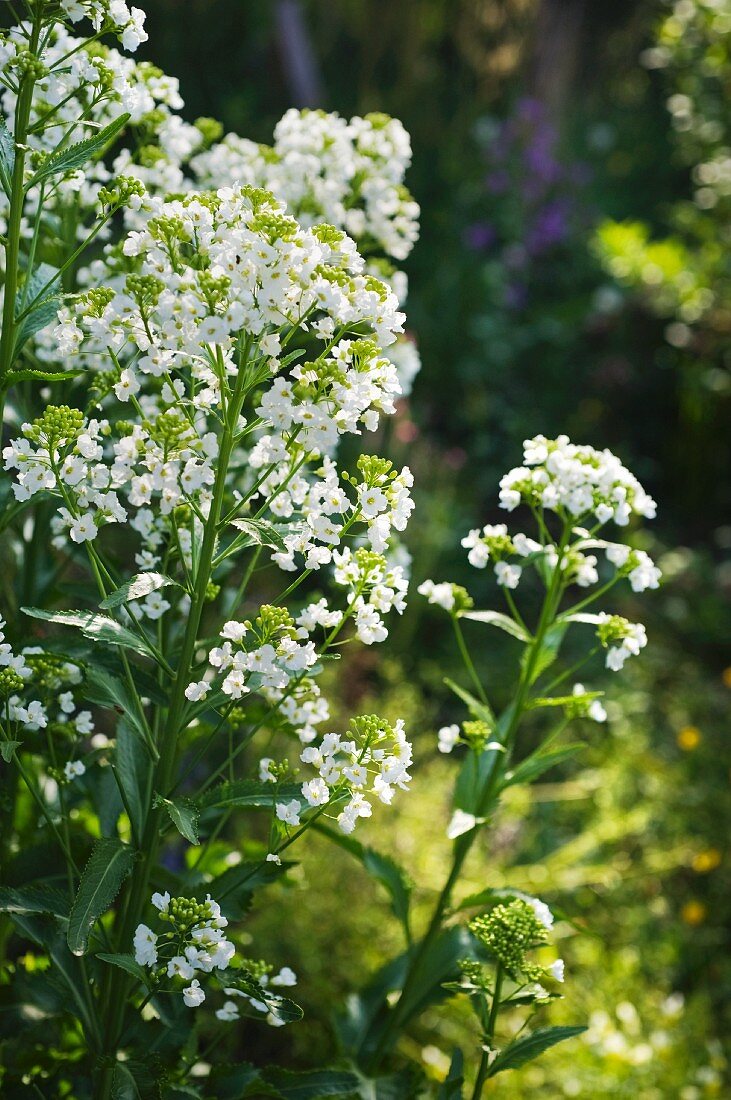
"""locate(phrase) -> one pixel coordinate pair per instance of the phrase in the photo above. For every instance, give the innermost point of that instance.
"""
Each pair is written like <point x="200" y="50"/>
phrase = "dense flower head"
<point x="371" y="759"/>
<point x="558" y="475"/>
<point x="508" y="932"/>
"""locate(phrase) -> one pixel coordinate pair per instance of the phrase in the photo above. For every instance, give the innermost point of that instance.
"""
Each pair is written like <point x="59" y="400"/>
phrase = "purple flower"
<point x="480" y="236"/>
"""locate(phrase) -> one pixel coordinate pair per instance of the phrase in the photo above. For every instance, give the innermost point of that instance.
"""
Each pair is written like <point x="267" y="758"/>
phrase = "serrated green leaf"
<point x="530" y="1046"/>
<point x="124" y="1086"/>
<point x="502" y="622"/>
<point x="133" y="764"/>
<point x="184" y="815"/>
<point x="259" y="532"/>
<point x="313" y="1084"/>
<point x="109" y="864"/>
<point x="34" y="898"/>
<point x="140" y="585"/>
<point x="125" y="962"/>
<point x="107" y="691"/>
<point x="382" y="868"/>
<point x="38" y="300"/>
<point x="540" y="762"/>
<point x="30" y="374"/>
<point x="77" y="155"/>
<point x="97" y="628"/>
<point x="248" y="794"/>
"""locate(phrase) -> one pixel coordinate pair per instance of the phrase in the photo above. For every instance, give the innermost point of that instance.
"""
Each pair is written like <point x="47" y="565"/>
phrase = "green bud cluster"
<point x="375" y="470"/>
<point x="210" y="130"/>
<point x="273" y="621"/>
<point x="258" y="197"/>
<point x="275" y="227"/>
<point x="120" y="191"/>
<point x="58" y="426"/>
<point x="462" y="599"/>
<point x="212" y="591"/>
<point x="368" y="561"/>
<point x="27" y="64"/>
<point x="508" y="932"/>
<point x="328" y="234"/>
<point x="213" y="289"/>
<point x="370" y="729"/>
<point x="187" y="912"/>
<point x="10" y="682"/>
<point x="97" y="299"/>
<point x="476" y="734"/>
<point x="145" y="289"/>
<point x="376" y="286"/>
<point x="613" y="629"/>
<point x="49" y="671"/>
<point x="171" y="430"/>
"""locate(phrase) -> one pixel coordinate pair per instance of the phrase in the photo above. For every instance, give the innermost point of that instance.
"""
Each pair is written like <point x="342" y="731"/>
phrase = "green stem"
<point x="463" y="844"/>
<point x="15" y="216"/>
<point x="489" y="1034"/>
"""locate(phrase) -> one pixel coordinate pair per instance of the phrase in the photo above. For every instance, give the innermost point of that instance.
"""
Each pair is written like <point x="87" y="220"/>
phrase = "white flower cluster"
<point x="327" y="169"/>
<point x="560" y="476"/>
<point x="266" y="654"/>
<point x="374" y="760"/>
<point x="621" y="638"/>
<point x="195" y="943"/>
<point x="115" y="15"/>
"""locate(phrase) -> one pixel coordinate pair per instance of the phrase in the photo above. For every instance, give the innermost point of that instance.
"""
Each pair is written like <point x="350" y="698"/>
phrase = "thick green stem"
<point x="489" y="1034"/>
<point x="15" y="217"/>
<point x="117" y="986"/>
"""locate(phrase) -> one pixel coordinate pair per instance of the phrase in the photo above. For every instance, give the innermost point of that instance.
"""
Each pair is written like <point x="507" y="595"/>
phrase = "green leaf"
<point x="140" y="585"/>
<point x="7" y="157"/>
<point x="496" y="618"/>
<point x="107" y="691"/>
<point x="125" y="962"/>
<point x="109" y="864"/>
<point x="232" y="1082"/>
<point x="123" y="1084"/>
<point x="380" y="867"/>
<point x="249" y="794"/>
<point x="451" y="1087"/>
<point x="184" y="815"/>
<point x="77" y="155"/>
<point x="97" y="628"/>
<point x="30" y="374"/>
<point x="548" y="651"/>
<point x="39" y="296"/>
<point x="34" y="898"/>
<point x="491" y="896"/>
<point x="259" y="532"/>
<point x="7" y="748"/>
<point x="477" y="709"/>
<point x="539" y="762"/>
<point x="132" y="762"/>
<point x="313" y="1084"/>
<point x="530" y="1046"/>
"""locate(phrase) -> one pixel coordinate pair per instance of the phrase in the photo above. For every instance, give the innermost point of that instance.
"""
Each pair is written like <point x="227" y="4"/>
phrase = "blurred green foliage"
<point x="603" y="328"/>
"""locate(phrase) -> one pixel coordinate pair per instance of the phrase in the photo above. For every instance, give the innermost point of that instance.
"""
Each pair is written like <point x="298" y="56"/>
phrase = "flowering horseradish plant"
<point x="570" y="494"/>
<point x="190" y="325"/>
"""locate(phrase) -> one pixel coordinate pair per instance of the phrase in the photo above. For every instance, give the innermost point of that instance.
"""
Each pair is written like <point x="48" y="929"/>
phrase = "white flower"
<point x="197" y="691"/>
<point x="285" y="977"/>
<point x="556" y="970"/>
<point x="193" y="995"/>
<point x="229" y="1012"/>
<point x="161" y="901"/>
<point x="179" y="967"/>
<point x="447" y="736"/>
<point x="542" y="912"/>
<point x="508" y="575"/>
<point x="145" y="946"/>
<point x="289" y="812"/>
<point x="440" y="594"/>
<point x="73" y="769"/>
<point x="83" y="529"/>
<point x="461" y="822"/>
